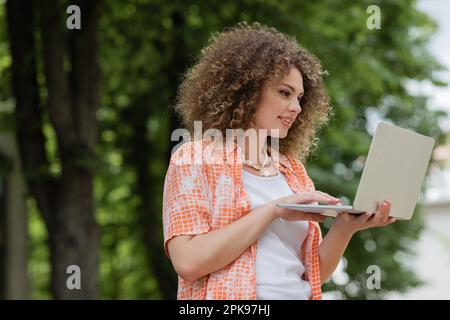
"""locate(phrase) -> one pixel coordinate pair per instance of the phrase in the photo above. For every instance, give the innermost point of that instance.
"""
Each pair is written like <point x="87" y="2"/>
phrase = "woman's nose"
<point x="295" y="106"/>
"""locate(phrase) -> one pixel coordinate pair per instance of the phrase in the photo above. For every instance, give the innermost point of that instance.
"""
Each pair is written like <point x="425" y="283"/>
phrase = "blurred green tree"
<point x="369" y="73"/>
<point x="146" y="45"/>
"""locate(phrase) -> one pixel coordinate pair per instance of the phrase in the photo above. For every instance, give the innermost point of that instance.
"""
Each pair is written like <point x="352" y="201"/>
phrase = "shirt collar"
<point x="282" y="162"/>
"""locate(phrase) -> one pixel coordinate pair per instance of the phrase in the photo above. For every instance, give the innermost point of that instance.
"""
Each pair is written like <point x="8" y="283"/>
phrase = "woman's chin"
<point x="278" y="133"/>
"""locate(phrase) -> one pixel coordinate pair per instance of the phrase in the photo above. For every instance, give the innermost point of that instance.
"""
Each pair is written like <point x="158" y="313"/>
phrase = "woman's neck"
<point x="254" y="146"/>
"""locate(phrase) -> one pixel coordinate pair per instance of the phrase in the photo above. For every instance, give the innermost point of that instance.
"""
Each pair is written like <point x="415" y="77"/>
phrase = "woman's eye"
<point x="287" y="94"/>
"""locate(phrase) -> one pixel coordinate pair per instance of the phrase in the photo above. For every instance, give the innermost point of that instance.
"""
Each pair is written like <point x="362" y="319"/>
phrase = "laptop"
<point x="394" y="171"/>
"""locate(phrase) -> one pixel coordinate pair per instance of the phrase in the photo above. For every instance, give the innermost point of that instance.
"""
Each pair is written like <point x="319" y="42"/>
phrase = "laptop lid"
<point x="394" y="170"/>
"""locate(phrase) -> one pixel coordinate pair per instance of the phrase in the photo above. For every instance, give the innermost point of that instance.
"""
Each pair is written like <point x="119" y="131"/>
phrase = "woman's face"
<point x="279" y="104"/>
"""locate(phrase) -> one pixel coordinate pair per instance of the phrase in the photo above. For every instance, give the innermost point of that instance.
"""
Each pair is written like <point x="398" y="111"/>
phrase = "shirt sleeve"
<point x="186" y="209"/>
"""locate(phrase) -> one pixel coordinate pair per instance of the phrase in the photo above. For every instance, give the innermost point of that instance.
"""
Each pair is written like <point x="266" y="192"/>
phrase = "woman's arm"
<point x="331" y="250"/>
<point x="196" y="256"/>
<point x="344" y="226"/>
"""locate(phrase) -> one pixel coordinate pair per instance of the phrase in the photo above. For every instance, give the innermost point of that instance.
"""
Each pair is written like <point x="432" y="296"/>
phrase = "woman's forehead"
<point x="293" y="79"/>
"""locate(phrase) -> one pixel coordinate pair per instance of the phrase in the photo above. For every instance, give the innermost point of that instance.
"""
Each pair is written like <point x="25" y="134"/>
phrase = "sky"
<point x="439" y="46"/>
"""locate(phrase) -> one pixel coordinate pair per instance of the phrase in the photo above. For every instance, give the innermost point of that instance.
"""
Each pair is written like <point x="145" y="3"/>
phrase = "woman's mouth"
<point x="286" y="121"/>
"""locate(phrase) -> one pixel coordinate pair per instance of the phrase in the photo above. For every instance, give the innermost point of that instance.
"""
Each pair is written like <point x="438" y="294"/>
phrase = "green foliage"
<point x="369" y="70"/>
<point x="368" y="74"/>
<point x="124" y="273"/>
<point x="39" y="255"/>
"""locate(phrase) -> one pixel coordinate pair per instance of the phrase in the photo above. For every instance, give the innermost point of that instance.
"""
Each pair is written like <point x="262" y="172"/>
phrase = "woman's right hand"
<point x="312" y="197"/>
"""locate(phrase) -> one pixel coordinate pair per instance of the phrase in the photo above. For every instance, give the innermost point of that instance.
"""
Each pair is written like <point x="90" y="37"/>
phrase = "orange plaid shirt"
<point x="203" y="191"/>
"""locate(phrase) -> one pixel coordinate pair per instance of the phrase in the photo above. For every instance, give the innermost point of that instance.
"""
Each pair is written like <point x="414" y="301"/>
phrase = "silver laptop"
<point x="394" y="171"/>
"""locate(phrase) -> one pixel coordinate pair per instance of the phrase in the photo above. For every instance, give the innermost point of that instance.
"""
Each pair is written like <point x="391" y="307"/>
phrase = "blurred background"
<point x="85" y="136"/>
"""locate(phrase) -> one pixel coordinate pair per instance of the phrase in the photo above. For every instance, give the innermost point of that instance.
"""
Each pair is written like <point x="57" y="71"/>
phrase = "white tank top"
<point x="279" y="269"/>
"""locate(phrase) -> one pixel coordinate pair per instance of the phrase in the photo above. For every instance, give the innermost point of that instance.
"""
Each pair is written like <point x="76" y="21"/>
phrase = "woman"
<point x="223" y="232"/>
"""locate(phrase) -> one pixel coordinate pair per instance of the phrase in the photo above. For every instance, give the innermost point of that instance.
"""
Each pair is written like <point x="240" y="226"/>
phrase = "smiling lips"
<point x="286" y="120"/>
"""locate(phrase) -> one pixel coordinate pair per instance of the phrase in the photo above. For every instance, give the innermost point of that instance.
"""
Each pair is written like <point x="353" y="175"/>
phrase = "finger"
<point x="389" y="221"/>
<point x="314" y="217"/>
<point x="388" y="211"/>
<point x="311" y="197"/>
<point x="384" y="212"/>
<point x="320" y="218"/>
<point x="333" y="202"/>
<point x="348" y="217"/>
<point x="327" y="195"/>
<point x="377" y="217"/>
<point x="363" y="218"/>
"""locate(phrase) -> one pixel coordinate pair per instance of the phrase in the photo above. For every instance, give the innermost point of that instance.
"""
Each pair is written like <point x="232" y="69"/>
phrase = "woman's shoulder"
<point x="199" y="152"/>
<point x="296" y="163"/>
<point x="185" y="152"/>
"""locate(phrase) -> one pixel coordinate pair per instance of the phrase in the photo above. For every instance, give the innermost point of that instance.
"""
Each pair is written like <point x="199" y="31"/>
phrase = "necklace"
<point x="264" y="171"/>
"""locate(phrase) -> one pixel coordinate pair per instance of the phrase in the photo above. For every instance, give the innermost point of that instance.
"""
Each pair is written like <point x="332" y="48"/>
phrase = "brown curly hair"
<point x="223" y="87"/>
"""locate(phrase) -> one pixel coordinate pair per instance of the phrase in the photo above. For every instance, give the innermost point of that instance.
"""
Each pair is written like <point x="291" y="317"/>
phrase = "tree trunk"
<point x="74" y="239"/>
<point x="13" y="223"/>
<point x="66" y="202"/>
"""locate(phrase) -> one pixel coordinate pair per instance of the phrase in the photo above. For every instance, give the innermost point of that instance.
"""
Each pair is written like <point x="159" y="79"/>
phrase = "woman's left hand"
<point x="352" y="223"/>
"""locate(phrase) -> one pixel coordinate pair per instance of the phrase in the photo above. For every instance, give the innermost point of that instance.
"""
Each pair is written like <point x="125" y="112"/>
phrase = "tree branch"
<point x="58" y="100"/>
<point x="31" y="141"/>
<point x="85" y="74"/>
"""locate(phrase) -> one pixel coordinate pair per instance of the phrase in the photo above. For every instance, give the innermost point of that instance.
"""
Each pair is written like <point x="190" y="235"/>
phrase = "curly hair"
<point x="223" y="86"/>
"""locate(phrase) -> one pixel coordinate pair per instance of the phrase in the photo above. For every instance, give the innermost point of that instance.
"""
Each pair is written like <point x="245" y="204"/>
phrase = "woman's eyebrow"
<point x="292" y="88"/>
